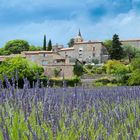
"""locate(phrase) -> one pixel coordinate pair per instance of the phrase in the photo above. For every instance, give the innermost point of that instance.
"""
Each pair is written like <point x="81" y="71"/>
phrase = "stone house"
<point x="134" y="43"/>
<point x="50" y="61"/>
<point x="85" y="51"/>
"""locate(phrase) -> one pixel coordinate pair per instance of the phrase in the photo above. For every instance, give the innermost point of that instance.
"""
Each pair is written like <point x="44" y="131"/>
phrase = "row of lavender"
<point x="69" y="113"/>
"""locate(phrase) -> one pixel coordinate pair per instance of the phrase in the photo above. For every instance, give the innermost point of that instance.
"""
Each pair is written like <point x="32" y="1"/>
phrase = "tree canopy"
<point x="134" y="78"/>
<point x="35" y="48"/>
<point x="4" y="52"/>
<point x="71" y="42"/>
<point x="16" y="46"/>
<point x="25" y="68"/>
<point x="130" y="52"/>
<point x="44" y="43"/>
<point x="78" y="69"/>
<point x="108" y="45"/>
<point x="49" y="45"/>
<point x="116" y="50"/>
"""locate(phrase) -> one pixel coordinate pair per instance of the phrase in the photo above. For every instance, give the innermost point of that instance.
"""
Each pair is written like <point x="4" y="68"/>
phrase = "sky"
<point x="60" y="20"/>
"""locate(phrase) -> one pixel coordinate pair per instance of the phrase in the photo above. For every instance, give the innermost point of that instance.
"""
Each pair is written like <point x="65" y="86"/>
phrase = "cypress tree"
<point x="44" y="43"/>
<point x="116" y="50"/>
<point x="49" y="45"/>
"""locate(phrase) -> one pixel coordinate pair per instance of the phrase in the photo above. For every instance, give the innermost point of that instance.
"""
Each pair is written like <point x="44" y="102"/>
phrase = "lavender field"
<point x="69" y="113"/>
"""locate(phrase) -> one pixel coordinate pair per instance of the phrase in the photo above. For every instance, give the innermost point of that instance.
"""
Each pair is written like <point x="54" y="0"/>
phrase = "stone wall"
<point x="65" y="70"/>
<point x="85" y="51"/>
<point x="134" y="43"/>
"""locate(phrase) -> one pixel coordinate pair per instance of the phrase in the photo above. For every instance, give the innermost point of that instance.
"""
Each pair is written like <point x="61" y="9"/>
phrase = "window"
<point x="93" y="48"/>
<point x="80" y="49"/>
<point x="33" y="57"/>
<point x="93" y="54"/>
<point x="44" y="62"/>
<point x="80" y="55"/>
<point x="44" y="55"/>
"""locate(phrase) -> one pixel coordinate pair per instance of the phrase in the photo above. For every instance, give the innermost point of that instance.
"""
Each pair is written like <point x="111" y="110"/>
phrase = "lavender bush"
<point x="69" y="113"/>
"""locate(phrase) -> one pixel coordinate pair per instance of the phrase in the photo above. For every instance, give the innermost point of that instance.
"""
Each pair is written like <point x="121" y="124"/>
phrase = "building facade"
<point x="134" y="43"/>
<point x="62" y="59"/>
<point x="51" y="61"/>
<point x="85" y="51"/>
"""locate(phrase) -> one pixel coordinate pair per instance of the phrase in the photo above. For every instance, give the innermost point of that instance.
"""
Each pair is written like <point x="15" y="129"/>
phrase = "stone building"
<point x="62" y="59"/>
<point x="134" y="43"/>
<point x="51" y="61"/>
<point x="85" y="51"/>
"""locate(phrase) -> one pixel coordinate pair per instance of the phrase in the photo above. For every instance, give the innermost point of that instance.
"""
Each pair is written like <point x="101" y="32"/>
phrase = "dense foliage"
<point x="69" y="113"/>
<point x="71" y="42"/>
<point x="21" y="66"/>
<point x="16" y="46"/>
<point x="115" y="67"/>
<point x="44" y="43"/>
<point x="49" y="48"/>
<point x="108" y="45"/>
<point x="116" y="50"/>
<point x="4" y="52"/>
<point x="78" y="68"/>
<point x="130" y="52"/>
<point x="134" y="78"/>
<point x="35" y="48"/>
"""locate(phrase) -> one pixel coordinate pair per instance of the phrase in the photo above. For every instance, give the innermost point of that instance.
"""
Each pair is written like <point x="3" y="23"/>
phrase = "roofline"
<point x="49" y="52"/>
<point x="67" y="49"/>
<point x="89" y="42"/>
<point x="130" y="40"/>
<point x="37" y="52"/>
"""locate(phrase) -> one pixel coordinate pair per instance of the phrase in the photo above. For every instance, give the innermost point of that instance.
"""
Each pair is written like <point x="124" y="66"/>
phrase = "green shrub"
<point x="89" y="66"/>
<point x="106" y="81"/>
<point x="59" y="82"/>
<point x="97" y="70"/>
<point x="57" y="72"/>
<point x="98" y="84"/>
<point x="115" y="67"/>
<point x="134" y="78"/>
<point x="78" y="69"/>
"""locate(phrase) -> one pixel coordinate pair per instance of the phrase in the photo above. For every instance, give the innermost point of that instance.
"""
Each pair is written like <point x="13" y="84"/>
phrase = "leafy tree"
<point x="135" y="64"/>
<point x="78" y="69"/>
<point x="134" y="78"/>
<point x="118" y="70"/>
<point x="44" y="43"/>
<point x="26" y="69"/>
<point x="4" y="52"/>
<point x="16" y="46"/>
<point x="49" y="45"/>
<point x="108" y="45"/>
<point x="116" y="51"/>
<point x="71" y="42"/>
<point x="115" y="67"/>
<point x="130" y="52"/>
<point x="35" y="48"/>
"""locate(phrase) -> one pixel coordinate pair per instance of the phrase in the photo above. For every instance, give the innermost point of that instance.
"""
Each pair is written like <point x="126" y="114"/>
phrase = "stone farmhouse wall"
<point x="133" y="43"/>
<point x="86" y="51"/>
<point x="66" y="71"/>
<point x="50" y="61"/>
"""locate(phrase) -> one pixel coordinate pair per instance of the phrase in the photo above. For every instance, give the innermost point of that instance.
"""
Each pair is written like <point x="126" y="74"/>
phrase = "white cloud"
<point x="60" y="31"/>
